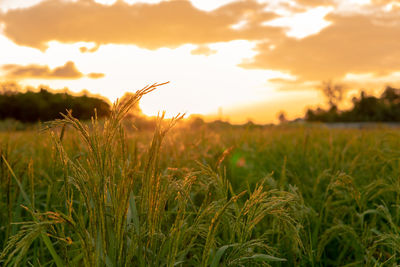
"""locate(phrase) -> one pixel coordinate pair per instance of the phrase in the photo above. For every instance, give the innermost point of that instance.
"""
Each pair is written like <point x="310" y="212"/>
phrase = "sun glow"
<point x="216" y="54"/>
<point x="199" y="84"/>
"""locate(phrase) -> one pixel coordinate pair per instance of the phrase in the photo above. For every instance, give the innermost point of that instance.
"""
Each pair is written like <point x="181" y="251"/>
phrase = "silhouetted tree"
<point x="334" y="93"/>
<point x="366" y="108"/>
<point x="281" y="117"/>
<point x="196" y="122"/>
<point x="43" y="105"/>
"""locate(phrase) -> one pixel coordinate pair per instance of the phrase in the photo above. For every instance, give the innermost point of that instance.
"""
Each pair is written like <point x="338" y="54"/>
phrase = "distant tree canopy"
<point x="334" y="93"/>
<point x="42" y="105"/>
<point x="366" y="108"/>
<point x="281" y="117"/>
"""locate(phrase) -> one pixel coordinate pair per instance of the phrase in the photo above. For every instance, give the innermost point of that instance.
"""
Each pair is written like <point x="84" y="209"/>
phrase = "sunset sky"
<point x="248" y="58"/>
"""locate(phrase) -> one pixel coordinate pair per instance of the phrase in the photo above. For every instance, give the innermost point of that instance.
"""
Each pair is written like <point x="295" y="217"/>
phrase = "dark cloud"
<point x="352" y="44"/>
<point x="68" y="71"/>
<point x="166" y="24"/>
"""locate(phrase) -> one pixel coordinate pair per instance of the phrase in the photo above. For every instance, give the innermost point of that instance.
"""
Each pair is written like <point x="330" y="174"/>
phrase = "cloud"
<point x="33" y="71"/>
<point x="392" y="4"/>
<point x="385" y="2"/>
<point x="351" y="44"/>
<point x="315" y="2"/>
<point x="95" y="75"/>
<point x="203" y="50"/>
<point x="151" y="26"/>
<point x="85" y="49"/>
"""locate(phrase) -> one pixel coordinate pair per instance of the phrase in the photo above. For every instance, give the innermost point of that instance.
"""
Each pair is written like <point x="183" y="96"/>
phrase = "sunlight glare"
<point x="301" y="25"/>
<point x="209" y="5"/>
<point x="12" y="4"/>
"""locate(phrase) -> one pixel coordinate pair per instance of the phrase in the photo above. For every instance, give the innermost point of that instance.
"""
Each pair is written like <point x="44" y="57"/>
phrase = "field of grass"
<point x="96" y="195"/>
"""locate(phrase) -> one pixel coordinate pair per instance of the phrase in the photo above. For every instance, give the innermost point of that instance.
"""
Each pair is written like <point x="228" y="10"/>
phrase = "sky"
<point x="240" y="60"/>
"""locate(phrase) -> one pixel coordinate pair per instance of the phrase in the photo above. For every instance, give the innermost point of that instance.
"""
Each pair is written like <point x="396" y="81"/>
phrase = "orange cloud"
<point x="203" y="50"/>
<point x="351" y="44"/>
<point x="394" y="4"/>
<point x="95" y="75"/>
<point x="385" y="2"/>
<point x="151" y="26"/>
<point x="315" y="2"/>
<point x="84" y="49"/>
<point x="68" y="71"/>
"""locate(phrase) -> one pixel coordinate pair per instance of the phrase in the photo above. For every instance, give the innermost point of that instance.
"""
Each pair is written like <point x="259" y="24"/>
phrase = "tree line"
<point x="366" y="108"/>
<point x="41" y="104"/>
<point x="44" y="104"/>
